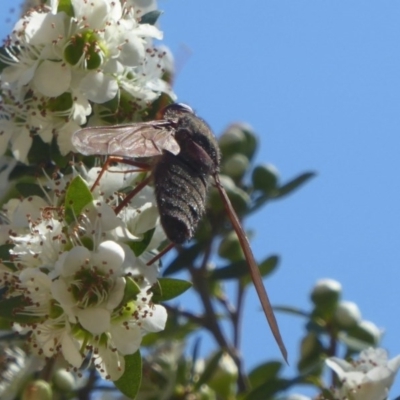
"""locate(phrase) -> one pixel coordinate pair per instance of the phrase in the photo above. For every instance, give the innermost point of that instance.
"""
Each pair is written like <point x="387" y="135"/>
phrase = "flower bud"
<point x="251" y="140"/>
<point x="238" y="197"/>
<point x="326" y="292"/>
<point x="37" y="390"/>
<point x="232" y="141"/>
<point x="347" y="314"/>
<point x="265" y="178"/>
<point x="235" y="166"/>
<point x="64" y="380"/>
<point x="224" y="378"/>
<point x="230" y="248"/>
<point x="367" y="332"/>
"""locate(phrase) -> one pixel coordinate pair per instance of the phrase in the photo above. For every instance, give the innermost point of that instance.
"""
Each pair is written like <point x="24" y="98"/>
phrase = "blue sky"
<point x="319" y="81"/>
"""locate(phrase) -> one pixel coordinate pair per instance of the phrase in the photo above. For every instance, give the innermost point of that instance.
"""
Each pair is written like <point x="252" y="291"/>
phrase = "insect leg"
<point x="253" y="268"/>
<point x="132" y="194"/>
<point x="161" y="253"/>
<point x="112" y="159"/>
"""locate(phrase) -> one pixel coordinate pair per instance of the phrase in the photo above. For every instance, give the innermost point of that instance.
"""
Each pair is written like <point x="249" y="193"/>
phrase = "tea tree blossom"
<point x="64" y="62"/>
<point x="368" y="378"/>
<point x="83" y="292"/>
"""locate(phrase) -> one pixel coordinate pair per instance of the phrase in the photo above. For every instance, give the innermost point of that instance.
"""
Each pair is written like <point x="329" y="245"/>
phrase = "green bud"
<point x="205" y="393"/>
<point x="64" y="380"/>
<point x="238" y="197"/>
<point x="366" y="332"/>
<point x="232" y="141"/>
<point x="265" y="178"/>
<point x="235" y="166"/>
<point x="326" y="292"/>
<point x="238" y="138"/>
<point x="347" y="314"/>
<point x="223" y="381"/>
<point x="251" y="140"/>
<point x="37" y="390"/>
<point x="230" y="248"/>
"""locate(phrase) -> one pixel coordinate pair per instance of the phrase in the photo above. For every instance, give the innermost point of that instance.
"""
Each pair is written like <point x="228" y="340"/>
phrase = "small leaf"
<point x="266" y="267"/>
<point x="77" y="197"/>
<point x="131" y="291"/>
<point x="139" y="247"/>
<point x="131" y="379"/>
<point x="292" y="310"/>
<point x="29" y="189"/>
<point x="232" y="271"/>
<point x="268" y="389"/>
<point x="210" y="369"/>
<point x="183" y="259"/>
<point x="293" y="185"/>
<point x="39" y="153"/>
<point x="169" y="288"/>
<point x="264" y="372"/>
<point x="5" y="251"/>
<point x="13" y="309"/>
<point x="150" y="17"/>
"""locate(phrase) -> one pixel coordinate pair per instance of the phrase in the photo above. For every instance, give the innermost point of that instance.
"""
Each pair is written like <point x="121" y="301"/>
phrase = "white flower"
<point x="59" y="66"/>
<point x="369" y="378"/>
<point x="85" y="292"/>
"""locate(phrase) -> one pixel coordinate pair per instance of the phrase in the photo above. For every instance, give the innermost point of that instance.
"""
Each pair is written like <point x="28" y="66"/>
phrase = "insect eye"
<point x="176" y="109"/>
<point x="185" y="107"/>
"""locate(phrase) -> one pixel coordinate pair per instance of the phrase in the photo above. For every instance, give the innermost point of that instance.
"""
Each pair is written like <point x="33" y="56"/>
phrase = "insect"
<point x="184" y="154"/>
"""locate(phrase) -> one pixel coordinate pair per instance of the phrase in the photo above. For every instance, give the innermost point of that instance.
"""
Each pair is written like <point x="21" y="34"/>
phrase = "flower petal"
<point x="95" y="320"/>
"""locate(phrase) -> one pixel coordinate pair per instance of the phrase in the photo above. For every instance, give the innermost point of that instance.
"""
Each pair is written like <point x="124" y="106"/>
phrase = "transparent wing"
<point x="142" y="139"/>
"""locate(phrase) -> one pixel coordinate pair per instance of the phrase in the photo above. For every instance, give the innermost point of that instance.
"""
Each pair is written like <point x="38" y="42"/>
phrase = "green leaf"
<point x="77" y="197"/>
<point x="268" y="389"/>
<point x="169" y="288"/>
<point x="210" y="369"/>
<point x="66" y="6"/>
<point x="292" y="310"/>
<point x="130" y="381"/>
<point x="150" y="17"/>
<point x="139" y="247"/>
<point x="183" y="259"/>
<point x="264" y="372"/>
<point x="293" y="185"/>
<point x="39" y="153"/>
<point x="12" y="309"/>
<point x="5" y="251"/>
<point x="29" y="189"/>
<point x="239" y="269"/>
<point x="131" y="291"/>
<point x="232" y="271"/>
<point x="266" y="267"/>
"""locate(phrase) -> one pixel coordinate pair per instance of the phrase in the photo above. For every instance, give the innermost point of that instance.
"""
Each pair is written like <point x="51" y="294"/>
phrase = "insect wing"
<point x="143" y="139"/>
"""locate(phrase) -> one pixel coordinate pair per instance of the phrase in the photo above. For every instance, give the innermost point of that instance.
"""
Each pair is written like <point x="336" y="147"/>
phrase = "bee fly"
<point x="185" y="154"/>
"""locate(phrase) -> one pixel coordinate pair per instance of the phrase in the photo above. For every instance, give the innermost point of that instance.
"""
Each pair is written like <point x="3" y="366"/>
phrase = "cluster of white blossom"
<point x="78" y="62"/>
<point x="82" y="289"/>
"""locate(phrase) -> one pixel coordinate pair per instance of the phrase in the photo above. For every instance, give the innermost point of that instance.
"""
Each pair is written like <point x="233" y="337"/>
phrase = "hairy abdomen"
<point x="181" y="194"/>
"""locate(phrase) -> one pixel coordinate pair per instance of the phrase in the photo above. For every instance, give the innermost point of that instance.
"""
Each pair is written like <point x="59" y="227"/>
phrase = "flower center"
<point x="84" y="47"/>
<point x="90" y="287"/>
